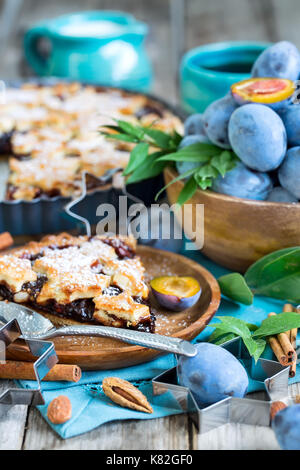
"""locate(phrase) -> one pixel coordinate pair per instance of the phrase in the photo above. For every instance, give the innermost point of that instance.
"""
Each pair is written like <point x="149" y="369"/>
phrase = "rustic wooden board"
<point x="105" y="353"/>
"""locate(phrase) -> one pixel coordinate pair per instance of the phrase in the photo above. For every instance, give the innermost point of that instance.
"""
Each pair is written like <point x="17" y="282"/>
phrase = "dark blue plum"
<point x="193" y="139"/>
<point x="216" y="118"/>
<point x="258" y="136"/>
<point x="291" y="119"/>
<point x="280" y="194"/>
<point x="194" y="125"/>
<point x="213" y="374"/>
<point x="182" y="167"/>
<point x="286" y="426"/>
<point x="289" y="172"/>
<point x="243" y="182"/>
<point x="280" y="60"/>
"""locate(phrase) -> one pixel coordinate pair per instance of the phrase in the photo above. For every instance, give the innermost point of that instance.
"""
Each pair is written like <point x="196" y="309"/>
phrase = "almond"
<point x="59" y="410"/>
<point x="297" y="399"/>
<point x="275" y="407"/>
<point x="125" y="394"/>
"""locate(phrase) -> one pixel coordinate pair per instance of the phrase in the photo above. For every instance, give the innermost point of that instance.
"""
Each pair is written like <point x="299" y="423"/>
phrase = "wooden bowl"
<point x="238" y="231"/>
<point x="92" y="353"/>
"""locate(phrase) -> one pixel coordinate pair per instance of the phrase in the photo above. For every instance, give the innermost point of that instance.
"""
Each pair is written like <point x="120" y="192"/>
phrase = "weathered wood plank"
<point x="12" y="423"/>
<point x="164" y="433"/>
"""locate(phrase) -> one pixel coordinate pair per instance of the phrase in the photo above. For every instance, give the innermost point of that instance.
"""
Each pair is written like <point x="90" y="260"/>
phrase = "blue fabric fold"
<point x="91" y="408"/>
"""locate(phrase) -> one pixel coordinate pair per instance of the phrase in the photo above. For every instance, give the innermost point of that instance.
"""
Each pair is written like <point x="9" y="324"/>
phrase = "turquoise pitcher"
<point x="102" y="47"/>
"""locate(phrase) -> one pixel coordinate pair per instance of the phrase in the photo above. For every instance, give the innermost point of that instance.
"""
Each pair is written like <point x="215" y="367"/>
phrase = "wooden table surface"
<point x="24" y="428"/>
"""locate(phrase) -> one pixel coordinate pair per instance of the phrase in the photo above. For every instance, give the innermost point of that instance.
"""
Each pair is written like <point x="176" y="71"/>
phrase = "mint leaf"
<point x="146" y="170"/>
<point x="234" y="287"/>
<point x="233" y="325"/>
<point x="224" y="339"/>
<point x="278" y="324"/>
<point x="217" y="334"/>
<point x="206" y="171"/>
<point x="121" y="137"/>
<point x="224" y="162"/>
<point x="193" y="153"/>
<point x="277" y="275"/>
<point x="179" y="177"/>
<point x="131" y="129"/>
<point x="160" y="138"/>
<point x="137" y="157"/>
<point x="187" y="191"/>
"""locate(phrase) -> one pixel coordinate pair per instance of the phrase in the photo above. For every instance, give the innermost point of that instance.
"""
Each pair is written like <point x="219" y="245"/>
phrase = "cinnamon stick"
<point x="24" y="371"/>
<point x="285" y="344"/>
<point x="293" y="341"/>
<point x="288" y="308"/>
<point x="278" y="351"/>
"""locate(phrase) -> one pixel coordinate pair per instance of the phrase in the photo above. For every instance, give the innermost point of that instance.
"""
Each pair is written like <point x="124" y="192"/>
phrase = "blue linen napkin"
<point x="91" y="408"/>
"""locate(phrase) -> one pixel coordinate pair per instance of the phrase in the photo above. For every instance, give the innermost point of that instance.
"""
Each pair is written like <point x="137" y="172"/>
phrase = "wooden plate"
<point x="92" y="353"/>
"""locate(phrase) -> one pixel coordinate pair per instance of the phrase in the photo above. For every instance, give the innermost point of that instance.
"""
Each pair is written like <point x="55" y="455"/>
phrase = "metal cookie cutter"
<point x="273" y="378"/>
<point x="47" y="359"/>
<point x="114" y="175"/>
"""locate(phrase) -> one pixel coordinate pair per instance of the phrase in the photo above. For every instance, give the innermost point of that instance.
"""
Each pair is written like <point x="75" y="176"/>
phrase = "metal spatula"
<point x="36" y="326"/>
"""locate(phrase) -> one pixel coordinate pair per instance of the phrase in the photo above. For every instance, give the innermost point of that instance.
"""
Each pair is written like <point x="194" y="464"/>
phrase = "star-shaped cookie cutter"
<point x="273" y="379"/>
<point x="117" y="184"/>
<point x="47" y="358"/>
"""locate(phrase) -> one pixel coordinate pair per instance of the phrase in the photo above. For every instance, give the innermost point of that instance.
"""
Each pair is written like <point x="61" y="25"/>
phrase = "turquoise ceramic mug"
<point x="208" y="71"/>
<point x="103" y="47"/>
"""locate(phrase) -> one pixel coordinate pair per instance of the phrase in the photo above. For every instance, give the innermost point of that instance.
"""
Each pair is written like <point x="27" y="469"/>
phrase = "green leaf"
<point x="187" y="191"/>
<point x="204" y="183"/>
<point x="224" y="162"/>
<point x="206" y="171"/>
<point x="193" y="153"/>
<point x="278" y="324"/>
<point x="121" y="137"/>
<point x="217" y="334"/>
<point x="255" y="347"/>
<point x="277" y="275"/>
<point x="179" y="177"/>
<point x="224" y="339"/>
<point x="131" y="129"/>
<point x="233" y="325"/>
<point x="160" y="138"/>
<point x="146" y="170"/>
<point x="234" y="287"/>
<point x="137" y="157"/>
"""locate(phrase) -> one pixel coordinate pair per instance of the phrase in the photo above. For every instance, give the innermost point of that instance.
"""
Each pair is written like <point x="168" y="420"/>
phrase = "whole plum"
<point x="258" y="136"/>
<point x="280" y="194"/>
<point x="216" y="118"/>
<point x="213" y="374"/>
<point x="291" y="119"/>
<point x="194" y="125"/>
<point x="286" y="426"/>
<point x="289" y="172"/>
<point x="243" y="182"/>
<point x="280" y="60"/>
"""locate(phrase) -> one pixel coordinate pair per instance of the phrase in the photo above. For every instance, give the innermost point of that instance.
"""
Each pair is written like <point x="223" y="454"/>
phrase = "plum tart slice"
<point x="99" y="280"/>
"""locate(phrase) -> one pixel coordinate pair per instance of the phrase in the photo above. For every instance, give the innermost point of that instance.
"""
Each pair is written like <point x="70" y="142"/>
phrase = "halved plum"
<point x="268" y="91"/>
<point x="176" y="293"/>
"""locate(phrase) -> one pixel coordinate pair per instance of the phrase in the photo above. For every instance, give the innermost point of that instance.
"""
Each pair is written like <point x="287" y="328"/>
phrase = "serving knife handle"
<point x="149" y="340"/>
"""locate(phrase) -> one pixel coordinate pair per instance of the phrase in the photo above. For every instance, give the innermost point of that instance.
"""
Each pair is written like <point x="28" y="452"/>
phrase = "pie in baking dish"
<point x="98" y="280"/>
<point x="51" y="134"/>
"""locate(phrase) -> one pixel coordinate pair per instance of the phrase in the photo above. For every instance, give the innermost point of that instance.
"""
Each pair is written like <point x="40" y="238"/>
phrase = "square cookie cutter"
<point x="47" y="359"/>
<point x="273" y="378"/>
